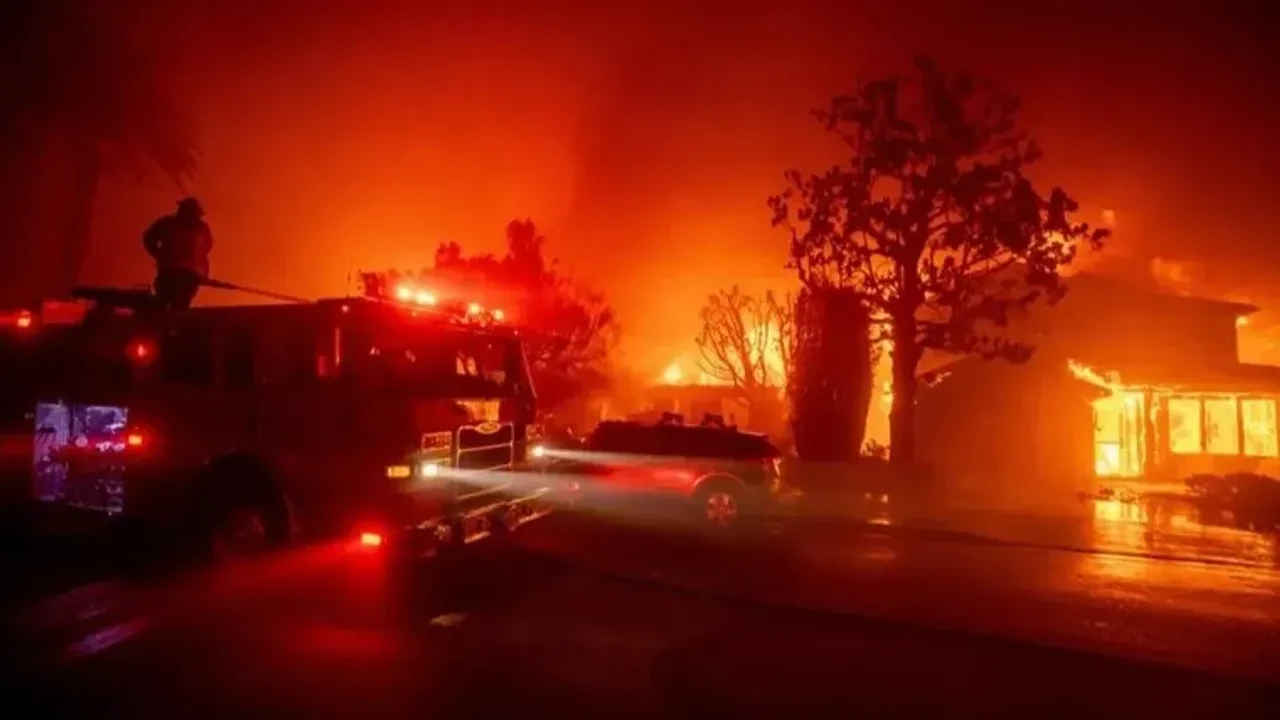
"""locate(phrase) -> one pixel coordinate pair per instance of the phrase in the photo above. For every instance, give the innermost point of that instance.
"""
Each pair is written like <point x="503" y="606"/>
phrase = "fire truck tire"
<point x="242" y="509"/>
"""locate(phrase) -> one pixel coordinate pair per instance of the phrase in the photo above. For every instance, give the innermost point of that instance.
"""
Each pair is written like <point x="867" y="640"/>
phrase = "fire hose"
<point x="221" y="285"/>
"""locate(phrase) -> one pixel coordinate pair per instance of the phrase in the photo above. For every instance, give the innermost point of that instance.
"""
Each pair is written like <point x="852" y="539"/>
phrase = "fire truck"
<point x="247" y="427"/>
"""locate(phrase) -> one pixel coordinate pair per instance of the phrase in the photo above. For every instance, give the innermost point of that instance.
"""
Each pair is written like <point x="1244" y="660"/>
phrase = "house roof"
<point x="1104" y="286"/>
<point x="1232" y="378"/>
<point x="1106" y="289"/>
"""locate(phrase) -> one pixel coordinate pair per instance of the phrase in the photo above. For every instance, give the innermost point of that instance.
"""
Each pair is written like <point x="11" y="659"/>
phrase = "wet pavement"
<point x="1165" y="528"/>
<point x="588" y="617"/>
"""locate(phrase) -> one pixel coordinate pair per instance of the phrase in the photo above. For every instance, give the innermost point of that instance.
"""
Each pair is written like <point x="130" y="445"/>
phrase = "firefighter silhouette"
<point x="180" y="244"/>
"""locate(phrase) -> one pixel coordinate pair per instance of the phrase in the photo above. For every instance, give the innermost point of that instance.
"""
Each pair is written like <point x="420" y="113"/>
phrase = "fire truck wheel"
<point x="246" y="514"/>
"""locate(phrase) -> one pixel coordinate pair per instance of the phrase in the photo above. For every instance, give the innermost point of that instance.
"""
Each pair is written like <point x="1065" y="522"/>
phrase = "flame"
<point x="884" y="371"/>
<point x="673" y="375"/>
<point x="1118" y="453"/>
<point x="882" y="378"/>
<point x="1091" y="376"/>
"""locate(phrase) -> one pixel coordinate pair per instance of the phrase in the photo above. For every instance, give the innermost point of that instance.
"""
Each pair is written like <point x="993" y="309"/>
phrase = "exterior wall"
<point x="1180" y="467"/>
<point x="1020" y="432"/>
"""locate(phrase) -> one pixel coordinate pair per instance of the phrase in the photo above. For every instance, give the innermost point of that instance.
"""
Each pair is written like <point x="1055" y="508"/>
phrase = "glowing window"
<point x="1107" y="459"/>
<point x="1222" y="428"/>
<point x="1184" y="426"/>
<point x="481" y="410"/>
<point x="1118" y="435"/>
<point x="1259" y="428"/>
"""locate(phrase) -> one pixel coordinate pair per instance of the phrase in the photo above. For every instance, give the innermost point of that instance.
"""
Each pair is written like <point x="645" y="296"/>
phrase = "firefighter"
<point x="180" y="244"/>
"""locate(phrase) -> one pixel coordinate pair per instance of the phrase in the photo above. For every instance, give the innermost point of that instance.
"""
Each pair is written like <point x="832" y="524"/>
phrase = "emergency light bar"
<point x="415" y="297"/>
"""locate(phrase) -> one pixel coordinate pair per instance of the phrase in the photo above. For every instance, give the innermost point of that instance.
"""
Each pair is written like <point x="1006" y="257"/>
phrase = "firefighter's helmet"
<point x="190" y="206"/>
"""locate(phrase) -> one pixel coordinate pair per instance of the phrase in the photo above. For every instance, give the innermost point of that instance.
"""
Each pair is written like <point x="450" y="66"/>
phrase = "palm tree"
<point x="81" y="76"/>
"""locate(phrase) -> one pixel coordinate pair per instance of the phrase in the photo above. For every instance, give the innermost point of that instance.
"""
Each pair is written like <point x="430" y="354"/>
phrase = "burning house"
<point x="1125" y="383"/>
<point x="694" y="401"/>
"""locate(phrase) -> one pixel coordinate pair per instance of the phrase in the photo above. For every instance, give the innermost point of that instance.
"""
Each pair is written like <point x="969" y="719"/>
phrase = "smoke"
<point x="1179" y="277"/>
<point x="643" y="137"/>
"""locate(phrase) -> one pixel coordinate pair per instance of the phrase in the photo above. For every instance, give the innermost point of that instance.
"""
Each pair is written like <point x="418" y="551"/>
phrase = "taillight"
<point x="24" y="320"/>
<point x="135" y="440"/>
<point x="371" y="539"/>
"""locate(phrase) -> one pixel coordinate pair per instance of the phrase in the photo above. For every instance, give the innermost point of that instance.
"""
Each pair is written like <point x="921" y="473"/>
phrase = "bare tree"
<point x="931" y="222"/>
<point x="747" y="341"/>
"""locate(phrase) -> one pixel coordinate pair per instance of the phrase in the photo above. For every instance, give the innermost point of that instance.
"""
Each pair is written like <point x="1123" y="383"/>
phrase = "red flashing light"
<point x="141" y="350"/>
<point x="371" y="539"/>
<point x="25" y="320"/>
<point x="135" y="440"/>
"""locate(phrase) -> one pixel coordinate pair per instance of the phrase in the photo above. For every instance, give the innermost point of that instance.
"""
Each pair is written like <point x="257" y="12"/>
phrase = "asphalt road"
<point x="586" y="618"/>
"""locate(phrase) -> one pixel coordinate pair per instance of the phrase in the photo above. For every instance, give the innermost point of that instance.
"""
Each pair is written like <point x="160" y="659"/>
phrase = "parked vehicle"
<point x="718" y="475"/>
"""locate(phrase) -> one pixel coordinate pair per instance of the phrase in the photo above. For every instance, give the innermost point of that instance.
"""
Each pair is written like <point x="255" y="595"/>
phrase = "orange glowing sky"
<point x="644" y="140"/>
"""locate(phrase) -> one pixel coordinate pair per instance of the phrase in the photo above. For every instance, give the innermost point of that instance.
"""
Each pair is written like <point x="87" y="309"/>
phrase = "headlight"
<point x="429" y="469"/>
<point x="399" y="471"/>
<point x="537" y="452"/>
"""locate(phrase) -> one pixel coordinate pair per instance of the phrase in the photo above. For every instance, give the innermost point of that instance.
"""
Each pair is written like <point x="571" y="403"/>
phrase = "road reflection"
<point x="1173" y="528"/>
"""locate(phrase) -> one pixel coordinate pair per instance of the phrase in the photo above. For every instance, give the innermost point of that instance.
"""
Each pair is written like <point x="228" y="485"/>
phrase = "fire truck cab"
<point x="246" y="427"/>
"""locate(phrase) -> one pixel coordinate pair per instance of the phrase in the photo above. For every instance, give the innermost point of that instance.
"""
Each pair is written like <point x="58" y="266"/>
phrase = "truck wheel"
<point x="719" y="504"/>
<point x="241" y="532"/>
<point x="245" y="512"/>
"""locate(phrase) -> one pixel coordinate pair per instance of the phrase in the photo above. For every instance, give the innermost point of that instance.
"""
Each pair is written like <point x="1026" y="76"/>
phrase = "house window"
<point x="1222" y="426"/>
<point x="1259" y="428"/>
<point x="1184" y="426"/>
